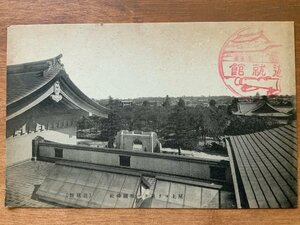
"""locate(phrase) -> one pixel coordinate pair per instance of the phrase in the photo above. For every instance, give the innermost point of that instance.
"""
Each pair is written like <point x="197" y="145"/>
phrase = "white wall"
<point x="154" y="162"/>
<point x="19" y="148"/>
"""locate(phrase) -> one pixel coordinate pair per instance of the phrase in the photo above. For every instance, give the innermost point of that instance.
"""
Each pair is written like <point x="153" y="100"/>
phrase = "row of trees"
<point x="177" y="126"/>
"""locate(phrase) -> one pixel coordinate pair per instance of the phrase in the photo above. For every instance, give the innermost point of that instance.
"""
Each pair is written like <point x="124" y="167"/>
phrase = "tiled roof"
<point x="30" y="83"/>
<point x="246" y="107"/>
<point x="286" y="110"/>
<point x="21" y="180"/>
<point x="24" y="79"/>
<point x="266" y="167"/>
<point x="261" y="108"/>
<point x="21" y="85"/>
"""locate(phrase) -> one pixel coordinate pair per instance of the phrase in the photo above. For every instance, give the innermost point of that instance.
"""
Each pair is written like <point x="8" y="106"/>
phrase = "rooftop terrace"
<point x="25" y="179"/>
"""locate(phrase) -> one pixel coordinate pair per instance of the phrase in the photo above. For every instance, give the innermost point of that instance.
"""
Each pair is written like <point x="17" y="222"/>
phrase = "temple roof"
<point x="30" y="83"/>
<point x="261" y="108"/>
<point x="264" y="167"/>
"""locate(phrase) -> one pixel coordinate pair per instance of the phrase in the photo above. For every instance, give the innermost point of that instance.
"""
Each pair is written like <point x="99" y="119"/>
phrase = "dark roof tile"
<point x="20" y="85"/>
<point x="25" y="83"/>
<point x="24" y="79"/>
<point x="267" y="164"/>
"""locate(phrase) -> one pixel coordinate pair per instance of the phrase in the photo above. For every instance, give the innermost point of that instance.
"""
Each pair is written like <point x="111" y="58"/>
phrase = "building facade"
<point x="148" y="140"/>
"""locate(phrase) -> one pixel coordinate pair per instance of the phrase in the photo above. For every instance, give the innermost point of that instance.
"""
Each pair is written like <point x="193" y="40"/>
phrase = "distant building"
<point x="264" y="109"/>
<point x="43" y="101"/>
<point x="203" y="103"/>
<point x="126" y="103"/>
<point x="155" y="103"/>
<point x="191" y="103"/>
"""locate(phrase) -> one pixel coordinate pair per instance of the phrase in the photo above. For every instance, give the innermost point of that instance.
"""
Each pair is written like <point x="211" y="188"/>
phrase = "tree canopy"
<point x="177" y="126"/>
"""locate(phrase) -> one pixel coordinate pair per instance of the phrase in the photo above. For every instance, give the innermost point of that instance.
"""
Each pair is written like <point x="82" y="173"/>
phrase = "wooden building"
<point x="43" y="101"/>
<point x="264" y="109"/>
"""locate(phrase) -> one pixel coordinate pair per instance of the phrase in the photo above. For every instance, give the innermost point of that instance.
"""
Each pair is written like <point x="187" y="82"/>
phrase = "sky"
<point x="143" y="60"/>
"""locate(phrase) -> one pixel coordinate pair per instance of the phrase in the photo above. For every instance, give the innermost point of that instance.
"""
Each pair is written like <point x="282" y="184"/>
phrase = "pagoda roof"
<point x="30" y="83"/>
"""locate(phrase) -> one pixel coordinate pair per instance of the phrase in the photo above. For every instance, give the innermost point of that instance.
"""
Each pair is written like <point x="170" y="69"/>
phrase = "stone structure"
<point x="126" y="139"/>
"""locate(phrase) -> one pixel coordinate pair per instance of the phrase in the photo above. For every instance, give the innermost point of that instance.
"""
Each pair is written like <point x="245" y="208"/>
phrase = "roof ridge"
<point x="50" y="73"/>
<point x="56" y="58"/>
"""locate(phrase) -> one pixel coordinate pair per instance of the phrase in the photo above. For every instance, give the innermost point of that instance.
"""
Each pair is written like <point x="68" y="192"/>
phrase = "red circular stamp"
<point x="249" y="63"/>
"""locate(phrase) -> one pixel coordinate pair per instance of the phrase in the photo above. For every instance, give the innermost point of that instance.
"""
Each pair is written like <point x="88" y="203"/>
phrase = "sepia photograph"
<point x="151" y="115"/>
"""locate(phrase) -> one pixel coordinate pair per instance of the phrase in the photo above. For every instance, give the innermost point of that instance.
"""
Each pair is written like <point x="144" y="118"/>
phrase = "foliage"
<point x="180" y="124"/>
<point x="157" y="148"/>
<point x="215" y="148"/>
<point x="167" y="102"/>
<point x="215" y="121"/>
<point x="234" y="106"/>
<point x="177" y="126"/>
<point x="248" y="124"/>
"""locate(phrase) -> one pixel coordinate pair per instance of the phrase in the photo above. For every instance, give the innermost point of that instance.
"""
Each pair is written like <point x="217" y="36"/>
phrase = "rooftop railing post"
<point x="220" y="199"/>
<point x="35" y="147"/>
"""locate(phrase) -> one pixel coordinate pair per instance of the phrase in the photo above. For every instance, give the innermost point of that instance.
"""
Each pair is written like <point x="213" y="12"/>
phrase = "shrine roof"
<point x="261" y="108"/>
<point x="30" y="83"/>
<point x="23" y="79"/>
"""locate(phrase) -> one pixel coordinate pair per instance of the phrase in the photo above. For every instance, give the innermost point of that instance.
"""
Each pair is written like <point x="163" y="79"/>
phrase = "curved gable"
<point x="30" y="83"/>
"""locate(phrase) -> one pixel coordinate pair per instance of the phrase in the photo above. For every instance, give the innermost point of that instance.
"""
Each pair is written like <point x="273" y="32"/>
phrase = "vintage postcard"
<point x="154" y="115"/>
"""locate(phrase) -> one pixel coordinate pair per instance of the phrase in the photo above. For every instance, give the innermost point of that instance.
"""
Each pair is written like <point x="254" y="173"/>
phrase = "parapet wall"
<point x="156" y="163"/>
